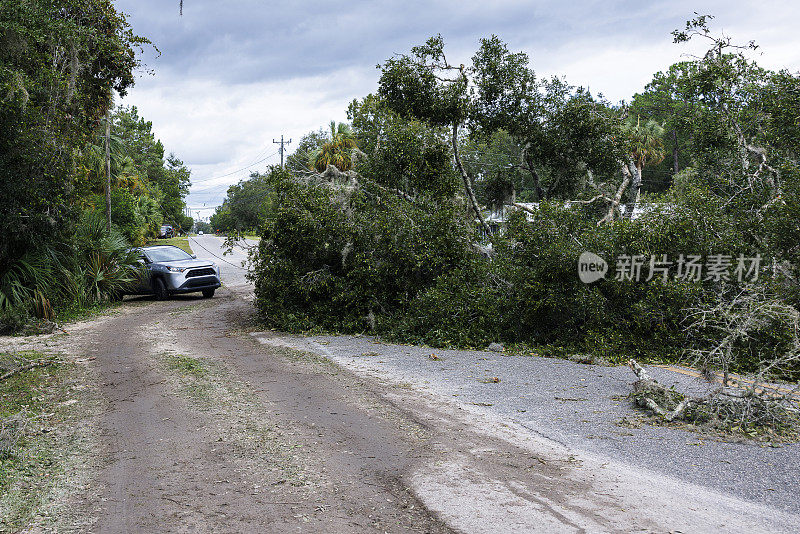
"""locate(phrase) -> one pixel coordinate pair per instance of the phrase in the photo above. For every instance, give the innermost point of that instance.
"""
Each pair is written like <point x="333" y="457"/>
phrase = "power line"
<point x="236" y="171"/>
<point x="194" y="241"/>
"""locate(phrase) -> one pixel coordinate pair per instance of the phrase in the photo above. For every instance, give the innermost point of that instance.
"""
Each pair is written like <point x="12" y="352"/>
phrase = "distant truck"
<point x="167" y="231"/>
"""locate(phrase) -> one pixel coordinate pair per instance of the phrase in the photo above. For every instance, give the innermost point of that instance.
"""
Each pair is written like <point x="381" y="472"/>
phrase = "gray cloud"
<point x="250" y="41"/>
<point x="233" y="74"/>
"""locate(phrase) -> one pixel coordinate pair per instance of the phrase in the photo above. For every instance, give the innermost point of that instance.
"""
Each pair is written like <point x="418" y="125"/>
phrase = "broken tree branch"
<point x="28" y="367"/>
<point x="614" y="204"/>
<point x="468" y="182"/>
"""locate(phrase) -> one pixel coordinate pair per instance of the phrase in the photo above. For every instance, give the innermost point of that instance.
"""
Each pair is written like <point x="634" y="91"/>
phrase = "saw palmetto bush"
<point x="27" y="287"/>
<point x="103" y="263"/>
<point x="94" y="267"/>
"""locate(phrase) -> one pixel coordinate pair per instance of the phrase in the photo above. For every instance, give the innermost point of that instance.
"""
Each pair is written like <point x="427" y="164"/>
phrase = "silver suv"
<point x="168" y="270"/>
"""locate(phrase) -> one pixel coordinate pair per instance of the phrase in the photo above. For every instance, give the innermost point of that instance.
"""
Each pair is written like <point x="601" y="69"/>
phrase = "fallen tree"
<point x="753" y="410"/>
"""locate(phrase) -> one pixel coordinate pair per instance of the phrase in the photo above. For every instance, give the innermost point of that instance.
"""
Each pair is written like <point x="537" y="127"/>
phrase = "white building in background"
<point x="498" y="218"/>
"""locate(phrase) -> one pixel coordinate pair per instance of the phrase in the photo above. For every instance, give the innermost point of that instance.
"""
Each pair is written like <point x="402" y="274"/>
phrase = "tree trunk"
<point x="108" y="169"/>
<point x="626" y="180"/>
<point x="468" y="182"/>
<point x="675" y="165"/>
<point x="636" y="190"/>
<point x="528" y="166"/>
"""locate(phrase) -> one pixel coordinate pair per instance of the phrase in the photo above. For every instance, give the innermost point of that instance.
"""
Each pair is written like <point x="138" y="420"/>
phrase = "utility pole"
<point x="282" y="142"/>
<point x="108" y="170"/>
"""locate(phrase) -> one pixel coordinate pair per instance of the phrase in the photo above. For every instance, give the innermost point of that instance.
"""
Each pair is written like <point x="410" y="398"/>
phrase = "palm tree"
<point x="647" y="145"/>
<point x="337" y="151"/>
<point x="646" y="148"/>
<point x="149" y="210"/>
<point x="94" y="154"/>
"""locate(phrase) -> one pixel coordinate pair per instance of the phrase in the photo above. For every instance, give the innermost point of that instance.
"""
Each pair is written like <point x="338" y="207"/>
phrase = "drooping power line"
<point x="236" y="171"/>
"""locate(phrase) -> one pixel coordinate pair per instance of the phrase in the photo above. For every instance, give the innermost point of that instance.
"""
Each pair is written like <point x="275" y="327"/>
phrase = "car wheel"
<point x="208" y="293"/>
<point x="160" y="290"/>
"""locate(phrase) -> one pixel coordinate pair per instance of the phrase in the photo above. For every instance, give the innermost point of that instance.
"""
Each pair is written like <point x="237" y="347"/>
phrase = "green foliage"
<point x="391" y="250"/>
<point x="222" y="221"/>
<point x="411" y="87"/>
<point x="246" y="204"/>
<point x="401" y="154"/>
<point x="24" y="287"/>
<point x="124" y="215"/>
<point x="494" y="161"/>
<point x="339" y="259"/>
<point x="297" y="162"/>
<point x="149" y="216"/>
<point x="561" y="132"/>
<point x="93" y="267"/>
<point x="202" y="226"/>
<point x="645" y="141"/>
<point x="354" y="261"/>
<point x="58" y="63"/>
<point x="147" y="188"/>
<point x="463" y="308"/>
<point x="165" y="179"/>
<point x="104" y="264"/>
<point x="609" y="318"/>
<point x="336" y="151"/>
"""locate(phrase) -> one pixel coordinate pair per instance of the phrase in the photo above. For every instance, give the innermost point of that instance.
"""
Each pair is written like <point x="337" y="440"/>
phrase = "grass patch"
<point x="192" y="378"/>
<point x="321" y="362"/>
<point x="75" y="313"/>
<point x="180" y="242"/>
<point x="256" y="442"/>
<point x="24" y="389"/>
<point x="187" y="366"/>
<point x="179" y="312"/>
<point x="40" y="415"/>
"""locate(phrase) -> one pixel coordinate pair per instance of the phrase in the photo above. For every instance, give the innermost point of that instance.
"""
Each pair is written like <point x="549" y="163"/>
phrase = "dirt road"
<point x="202" y="427"/>
<point x="208" y="433"/>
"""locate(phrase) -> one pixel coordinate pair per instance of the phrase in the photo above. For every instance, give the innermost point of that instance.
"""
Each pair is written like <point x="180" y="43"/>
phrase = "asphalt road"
<point x="233" y="263"/>
<point x="582" y="408"/>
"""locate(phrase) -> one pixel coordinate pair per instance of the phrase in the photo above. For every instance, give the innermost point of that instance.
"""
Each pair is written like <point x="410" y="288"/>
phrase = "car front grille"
<point x="201" y="272"/>
<point x="197" y="283"/>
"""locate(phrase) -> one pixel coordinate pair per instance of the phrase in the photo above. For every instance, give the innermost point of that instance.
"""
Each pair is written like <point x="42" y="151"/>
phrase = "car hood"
<point x="187" y="263"/>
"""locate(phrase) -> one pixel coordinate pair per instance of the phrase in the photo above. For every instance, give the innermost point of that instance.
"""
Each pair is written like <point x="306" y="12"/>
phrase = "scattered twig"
<point x="32" y="365"/>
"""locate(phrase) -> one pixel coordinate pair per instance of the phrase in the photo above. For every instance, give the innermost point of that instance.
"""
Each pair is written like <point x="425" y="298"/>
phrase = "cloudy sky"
<point x="234" y="75"/>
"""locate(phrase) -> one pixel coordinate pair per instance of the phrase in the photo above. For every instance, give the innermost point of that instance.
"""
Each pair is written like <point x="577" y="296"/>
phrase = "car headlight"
<point x="177" y="269"/>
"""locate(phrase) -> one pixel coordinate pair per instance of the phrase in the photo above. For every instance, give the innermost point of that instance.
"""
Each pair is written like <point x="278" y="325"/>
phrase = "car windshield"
<point x="166" y="254"/>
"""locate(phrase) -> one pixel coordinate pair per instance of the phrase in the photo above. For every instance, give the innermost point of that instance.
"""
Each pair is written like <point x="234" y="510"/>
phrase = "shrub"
<point x="93" y="267"/>
<point x="355" y="258"/>
<point x="103" y="263"/>
<point x="463" y="308"/>
<point x="346" y="259"/>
